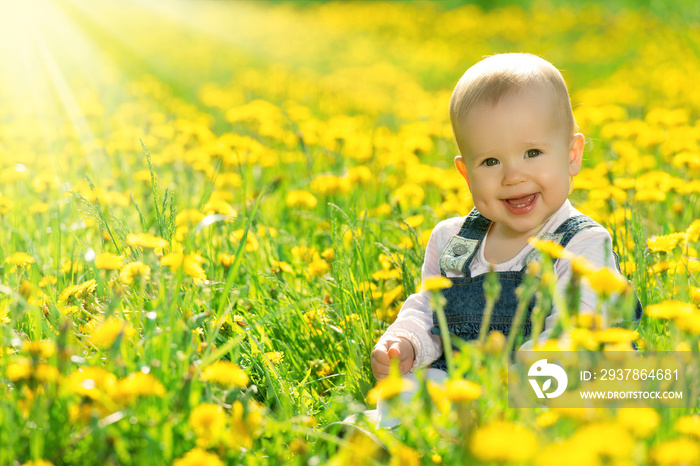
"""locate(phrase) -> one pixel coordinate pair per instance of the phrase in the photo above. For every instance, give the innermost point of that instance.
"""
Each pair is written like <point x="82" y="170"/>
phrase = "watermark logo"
<point x="542" y="369"/>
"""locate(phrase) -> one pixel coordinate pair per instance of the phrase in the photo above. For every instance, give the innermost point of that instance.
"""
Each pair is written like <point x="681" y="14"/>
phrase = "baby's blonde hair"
<point x="498" y="76"/>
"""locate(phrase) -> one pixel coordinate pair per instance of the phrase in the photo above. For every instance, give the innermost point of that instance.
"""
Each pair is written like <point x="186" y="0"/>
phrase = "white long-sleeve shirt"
<point x="415" y="319"/>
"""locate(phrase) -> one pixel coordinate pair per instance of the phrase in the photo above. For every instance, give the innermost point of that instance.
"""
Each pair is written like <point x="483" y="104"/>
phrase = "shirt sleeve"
<point x="415" y="319"/>
<point x="595" y="244"/>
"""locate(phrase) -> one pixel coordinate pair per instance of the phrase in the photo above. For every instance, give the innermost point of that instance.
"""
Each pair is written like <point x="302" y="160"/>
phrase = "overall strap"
<point x="462" y="247"/>
<point x="475" y="226"/>
<point x="563" y="234"/>
<point x="571" y="227"/>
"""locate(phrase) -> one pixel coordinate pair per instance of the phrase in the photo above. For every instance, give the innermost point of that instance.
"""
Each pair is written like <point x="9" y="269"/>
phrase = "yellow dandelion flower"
<point x="138" y="384"/>
<point x="642" y="422"/>
<point x="693" y="266"/>
<point x="91" y="382"/>
<point x="546" y="419"/>
<point x="251" y="242"/>
<point x="318" y="267"/>
<point x="382" y="210"/>
<point x="219" y="206"/>
<point x="225" y="373"/>
<point x="78" y="292"/>
<point x="5" y="313"/>
<point x="615" y="335"/>
<point x="620" y="346"/>
<point x="462" y="390"/>
<point x="281" y="266"/>
<point x="650" y="195"/>
<point x="694" y="294"/>
<point x="583" y="337"/>
<point x="665" y="243"/>
<point x="26" y="289"/>
<point x="588" y="320"/>
<point x="676" y="452"/>
<point x="503" y="441"/>
<point x="303" y="253"/>
<point x="19" y="370"/>
<point x="316" y="316"/>
<point x="495" y="342"/>
<point x="552" y="249"/>
<point x="45" y="373"/>
<point x="409" y="195"/>
<point x="172" y="260"/>
<point x="328" y="254"/>
<point x="606" y="439"/>
<point x="198" y="457"/>
<point x="405" y="243"/>
<point x="109" y="261"/>
<point x="386" y="274"/>
<point x="606" y="282"/>
<point x="230" y="179"/>
<point x="6" y="204"/>
<point x="414" y="221"/>
<point x="669" y="309"/>
<point x="246" y="424"/>
<point x="689" y="323"/>
<point x="360" y="174"/>
<point x="628" y="267"/>
<point x="69" y="310"/>
<point x="38" y="208"/>
<point x="207" y="421"/>
<point x="192" y="265"/>
<point x="39" y="462"/>
<point x="133" y="271"/>
<point x="688" y="425"/>
<point x="188" y="217"/>
<point x="47" y="280"/>
<point x="388" y="388"/>
<point x="264" y="231"/>
<point x="403" y="455"/>
<point x="326" y="185"/>
<point x="392" y="295"/>
<point x="40" y="349"/>
<point x="435" y="283"/>
<point x="301" y="199"/>
<point x="71" y="267"/>
<point x="438" y="393"/>
<point x="146" y="241"/>
<point x="20" y="259"/>
<point x="693" y="231"/>
<point x="226" y="259"/>
<point x="576" y="454"/>
<point x="106" y="334"/>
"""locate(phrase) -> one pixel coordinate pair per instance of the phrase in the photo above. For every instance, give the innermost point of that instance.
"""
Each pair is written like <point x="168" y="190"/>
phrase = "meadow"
<point x="210" y="212"/>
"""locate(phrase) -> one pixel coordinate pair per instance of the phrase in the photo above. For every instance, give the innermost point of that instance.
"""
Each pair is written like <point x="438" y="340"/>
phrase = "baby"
<point x="520" y="150"/>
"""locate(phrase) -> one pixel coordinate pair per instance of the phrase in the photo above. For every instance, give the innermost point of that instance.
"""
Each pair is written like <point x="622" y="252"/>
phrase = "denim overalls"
<point x="465" y="299"/>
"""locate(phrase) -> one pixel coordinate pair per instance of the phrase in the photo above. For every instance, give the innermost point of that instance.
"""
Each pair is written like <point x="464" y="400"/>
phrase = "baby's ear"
<point x="576" y="153"/>
<point x="462" y="169"/>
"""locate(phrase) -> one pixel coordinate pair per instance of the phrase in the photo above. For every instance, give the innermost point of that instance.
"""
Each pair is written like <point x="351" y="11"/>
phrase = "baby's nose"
<point x="513" y="174"/>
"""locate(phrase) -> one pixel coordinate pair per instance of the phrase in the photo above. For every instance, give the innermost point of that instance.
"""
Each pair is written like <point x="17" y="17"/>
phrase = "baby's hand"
<point x="392" y="348"/>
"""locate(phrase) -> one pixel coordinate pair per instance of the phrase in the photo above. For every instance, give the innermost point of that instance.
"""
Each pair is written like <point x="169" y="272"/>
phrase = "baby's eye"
<point x="532" y="153"/>
<point x="490" y="162"/>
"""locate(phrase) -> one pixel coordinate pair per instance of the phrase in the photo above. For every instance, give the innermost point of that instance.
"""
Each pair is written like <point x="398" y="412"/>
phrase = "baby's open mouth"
<point x="520" y="202"/>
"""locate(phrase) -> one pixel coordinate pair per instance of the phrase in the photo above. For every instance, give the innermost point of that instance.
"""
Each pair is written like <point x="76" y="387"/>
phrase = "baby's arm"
<point x="595" y="245"/>
<point x="416" y="316"/>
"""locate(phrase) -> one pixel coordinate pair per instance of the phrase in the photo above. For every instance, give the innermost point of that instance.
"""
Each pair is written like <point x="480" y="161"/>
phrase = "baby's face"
<point x="518" y="161"/>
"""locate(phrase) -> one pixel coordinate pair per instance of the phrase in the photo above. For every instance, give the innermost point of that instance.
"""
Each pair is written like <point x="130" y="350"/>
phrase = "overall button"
<point x="459" y="249"/>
